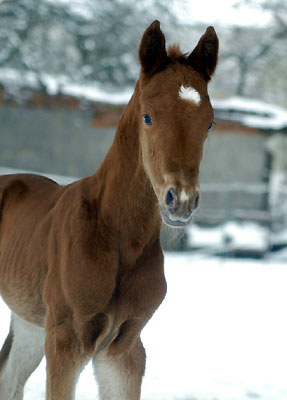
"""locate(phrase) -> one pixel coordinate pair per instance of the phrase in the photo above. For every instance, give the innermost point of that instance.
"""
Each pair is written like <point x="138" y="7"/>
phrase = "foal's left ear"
<point x="152" y="52"/>
<point x="204" y="57"/>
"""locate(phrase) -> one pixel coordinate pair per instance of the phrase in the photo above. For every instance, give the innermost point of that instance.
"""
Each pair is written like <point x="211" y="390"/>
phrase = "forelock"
<point x="175" y="54"/>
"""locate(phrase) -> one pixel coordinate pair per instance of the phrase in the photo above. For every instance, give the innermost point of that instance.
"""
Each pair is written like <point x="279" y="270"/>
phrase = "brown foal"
<point x="81" y="266"/>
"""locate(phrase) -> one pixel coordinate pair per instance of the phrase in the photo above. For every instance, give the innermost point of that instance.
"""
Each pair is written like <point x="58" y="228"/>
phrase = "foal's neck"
<point x="128" y="202"/>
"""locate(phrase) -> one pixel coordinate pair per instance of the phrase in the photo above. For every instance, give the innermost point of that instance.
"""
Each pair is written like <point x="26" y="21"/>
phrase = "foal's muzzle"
<point x="179" y="207"/>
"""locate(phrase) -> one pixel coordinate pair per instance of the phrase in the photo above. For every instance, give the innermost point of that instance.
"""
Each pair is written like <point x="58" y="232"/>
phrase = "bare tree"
<point x="252" y="50"/>
<point x="87" y="40"/>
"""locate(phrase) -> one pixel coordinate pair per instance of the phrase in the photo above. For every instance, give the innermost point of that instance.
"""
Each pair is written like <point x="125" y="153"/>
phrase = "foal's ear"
<point x="204" y="57"/>
<point x="152" y="52"/>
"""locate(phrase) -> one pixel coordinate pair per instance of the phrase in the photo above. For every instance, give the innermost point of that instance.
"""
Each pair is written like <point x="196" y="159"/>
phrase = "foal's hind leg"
<point x="19" y="357"/>
<point x="120" y="377"/>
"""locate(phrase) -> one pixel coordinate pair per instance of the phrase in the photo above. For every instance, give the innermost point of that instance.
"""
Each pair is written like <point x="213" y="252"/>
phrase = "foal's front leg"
<point x="65" y="360"/>
<point x="70" y="344"/>
<point x="120" y="376"/>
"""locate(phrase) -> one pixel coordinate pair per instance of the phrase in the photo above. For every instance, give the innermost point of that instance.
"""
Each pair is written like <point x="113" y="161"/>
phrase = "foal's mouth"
<point x="175" y="222"/>
<point x="177" y="208"/>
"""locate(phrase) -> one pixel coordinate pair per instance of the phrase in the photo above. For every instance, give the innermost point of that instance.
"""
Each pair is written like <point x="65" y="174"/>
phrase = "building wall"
<point x="54" y="141"/>
<point x="232" y="158"/>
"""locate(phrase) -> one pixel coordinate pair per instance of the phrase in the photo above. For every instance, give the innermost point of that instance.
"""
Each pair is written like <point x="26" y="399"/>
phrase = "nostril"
<point x="196" y="200"/>
<point x="171" y="198"/>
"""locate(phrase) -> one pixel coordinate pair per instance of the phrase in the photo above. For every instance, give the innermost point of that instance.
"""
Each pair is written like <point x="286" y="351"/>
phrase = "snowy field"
<point x="221" y="334"/>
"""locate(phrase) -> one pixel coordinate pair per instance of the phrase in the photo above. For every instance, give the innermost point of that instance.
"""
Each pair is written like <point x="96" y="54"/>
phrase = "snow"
<point x="62" y="84"/>
<point x="238" y="235"/>
<point x="220" y="334"/>
<point x="251" y="112"/>
<point x="94" y="93"/>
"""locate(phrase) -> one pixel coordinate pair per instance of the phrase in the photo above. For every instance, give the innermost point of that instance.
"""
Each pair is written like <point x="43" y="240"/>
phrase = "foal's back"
<point x="26" y="208"/>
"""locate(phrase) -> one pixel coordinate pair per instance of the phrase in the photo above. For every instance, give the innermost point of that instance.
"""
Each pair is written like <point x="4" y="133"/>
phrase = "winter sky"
<point x="223" y="12"/>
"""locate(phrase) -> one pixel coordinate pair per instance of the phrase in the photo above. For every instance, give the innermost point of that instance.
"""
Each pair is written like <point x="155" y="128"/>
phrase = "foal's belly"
<point x="34" y="315"/>
<point x="22" y="278"/>
<point x="24" y="300"/>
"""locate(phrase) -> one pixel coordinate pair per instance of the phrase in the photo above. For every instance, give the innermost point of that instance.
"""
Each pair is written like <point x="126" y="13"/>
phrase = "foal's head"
<point x="176" y="118"/>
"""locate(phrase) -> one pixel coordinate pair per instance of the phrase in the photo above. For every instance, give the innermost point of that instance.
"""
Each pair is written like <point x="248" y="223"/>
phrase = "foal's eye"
<point x="210" y="126"/>
<point x="147" y="119"/>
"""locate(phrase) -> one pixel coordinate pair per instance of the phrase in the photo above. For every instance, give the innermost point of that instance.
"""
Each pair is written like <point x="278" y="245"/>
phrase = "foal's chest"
<point x="139" y="292"/>
<point x="141" y="287"/>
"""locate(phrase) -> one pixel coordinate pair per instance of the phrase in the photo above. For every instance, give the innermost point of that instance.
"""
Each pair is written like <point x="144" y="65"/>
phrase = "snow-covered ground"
<point x="220" y="334"/>
<point x="230" y="235"/>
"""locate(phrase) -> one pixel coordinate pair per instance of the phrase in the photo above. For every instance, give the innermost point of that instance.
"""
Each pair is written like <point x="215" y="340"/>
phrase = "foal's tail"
<point x="2" y="195"/>
<point x="6" y="348"/>
<point x="1" y="202"/>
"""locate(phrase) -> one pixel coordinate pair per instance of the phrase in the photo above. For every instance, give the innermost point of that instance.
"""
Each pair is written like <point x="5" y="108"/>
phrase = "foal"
<point x="81" y="266"/>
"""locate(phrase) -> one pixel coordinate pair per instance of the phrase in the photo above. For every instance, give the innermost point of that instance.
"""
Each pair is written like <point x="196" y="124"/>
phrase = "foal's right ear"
<point x="152" y="52"/>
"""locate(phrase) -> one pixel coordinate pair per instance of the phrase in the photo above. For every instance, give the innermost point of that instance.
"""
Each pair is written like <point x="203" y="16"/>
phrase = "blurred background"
<point x="67" y="70"/>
